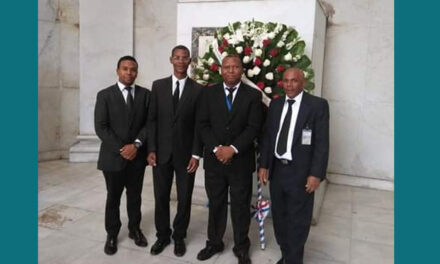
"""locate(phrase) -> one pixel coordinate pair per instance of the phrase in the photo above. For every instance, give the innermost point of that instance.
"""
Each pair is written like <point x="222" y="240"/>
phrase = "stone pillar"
<point x="106" y="34"/>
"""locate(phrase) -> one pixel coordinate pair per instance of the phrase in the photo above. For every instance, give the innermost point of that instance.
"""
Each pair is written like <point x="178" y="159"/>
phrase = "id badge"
<point x="306" y="136"/>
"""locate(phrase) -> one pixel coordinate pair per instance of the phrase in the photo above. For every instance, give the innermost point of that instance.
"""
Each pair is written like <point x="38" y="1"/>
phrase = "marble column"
<point x="106" y="34"/>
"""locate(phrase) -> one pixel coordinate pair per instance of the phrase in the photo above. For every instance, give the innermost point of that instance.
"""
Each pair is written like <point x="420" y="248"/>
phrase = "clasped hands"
<point x="128" y="151"/>
<point x="224" y="154"/>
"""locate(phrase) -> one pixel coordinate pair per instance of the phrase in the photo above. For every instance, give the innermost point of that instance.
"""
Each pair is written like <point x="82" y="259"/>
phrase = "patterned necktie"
<point x="176" y="96"/>
<point x="230" y="97"/>
<point x="130" y="101"/>
<point x="282" y="140"/>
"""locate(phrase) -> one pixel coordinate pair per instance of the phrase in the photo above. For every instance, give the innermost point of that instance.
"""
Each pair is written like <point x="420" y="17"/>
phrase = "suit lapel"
<point x="119" y="97"/>
<point x="187" y="90"/>
<point x="220" y="94"/>
<point x="303" y="113"/>
<point x="239" y="97"/>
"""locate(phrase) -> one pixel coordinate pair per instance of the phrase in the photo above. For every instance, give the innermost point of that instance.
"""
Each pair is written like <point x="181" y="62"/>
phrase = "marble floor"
<point x="356" y="225"/>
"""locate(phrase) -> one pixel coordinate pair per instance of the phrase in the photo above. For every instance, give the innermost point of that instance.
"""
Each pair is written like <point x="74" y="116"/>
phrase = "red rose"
<point x="280" y="68"/>
<point x="247" y="50"/>
<point x="266" y="42"/>
<point x="275" y="96"/>
<point x="257" y="61"/>
<point x="260" y="85"/>
<point x="280" y="84"/>
<point x="221" y="49"/>
<point x="273" y="52"/>
<point x="213" y="67"/>
<point x="225" y="43"/>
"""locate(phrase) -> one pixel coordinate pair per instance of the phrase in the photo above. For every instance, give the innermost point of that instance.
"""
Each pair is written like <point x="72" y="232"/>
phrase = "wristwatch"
<point x="137" y="144"/>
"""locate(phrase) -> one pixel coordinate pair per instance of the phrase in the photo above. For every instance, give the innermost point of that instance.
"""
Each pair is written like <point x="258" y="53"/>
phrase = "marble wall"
<point x="358" y="79"/>
<point x="58" y="77"/>
<point x="359" y="84"/>
<point x="155" y="23"/>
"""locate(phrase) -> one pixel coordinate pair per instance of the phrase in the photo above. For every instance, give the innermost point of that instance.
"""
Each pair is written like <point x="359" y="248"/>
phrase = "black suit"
<point x="238" y="127"/>
<point x="172" y="136"/>
<point x="292" y="206"/>
<point x="116" y="127"/>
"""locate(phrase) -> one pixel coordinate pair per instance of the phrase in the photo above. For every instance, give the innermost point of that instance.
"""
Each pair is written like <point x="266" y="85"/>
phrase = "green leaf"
<point x="303" y="62"/>
<point x="298" y="48"/>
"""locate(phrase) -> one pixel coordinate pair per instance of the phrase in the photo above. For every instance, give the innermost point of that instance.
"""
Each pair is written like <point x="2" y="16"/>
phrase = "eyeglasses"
<point x="184" y="59"/>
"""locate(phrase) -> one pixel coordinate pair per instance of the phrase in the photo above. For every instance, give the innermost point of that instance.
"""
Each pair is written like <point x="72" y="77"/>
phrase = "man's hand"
<point x="224" y="154"/>
<point x="263" y="175"/>
<point x="128" y="151"/>
<point x="312" y="183"/>
<point x="151" y="159"/>
<point x="192" y="165"/>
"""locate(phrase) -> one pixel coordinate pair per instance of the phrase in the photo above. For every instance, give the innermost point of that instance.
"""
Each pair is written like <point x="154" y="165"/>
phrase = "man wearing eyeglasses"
<point x="174" y="147"/>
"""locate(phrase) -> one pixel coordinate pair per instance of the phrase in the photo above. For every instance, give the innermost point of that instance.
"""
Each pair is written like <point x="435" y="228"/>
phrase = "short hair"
<point x="233" y="55"/>
<point x="126" y="57"/>
<point x="181" y="47"/>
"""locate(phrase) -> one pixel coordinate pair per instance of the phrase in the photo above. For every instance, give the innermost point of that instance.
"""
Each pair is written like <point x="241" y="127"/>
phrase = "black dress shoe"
<point x="111" y="245"/>
<point x="138" y="237"/>
<point x="158" y="246"/>
<point x="209" y="251"/>
<point x="243" y="258"/>
<point x="281" y="261"/>
<point x="179" y="248"/>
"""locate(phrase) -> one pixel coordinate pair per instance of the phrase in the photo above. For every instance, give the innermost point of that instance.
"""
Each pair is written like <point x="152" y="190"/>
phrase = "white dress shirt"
<point x="234" y="93"/>
<point x="124" y="91"/>
<point x="295" y="109"/>
<point x="125" y="94"/>
<point x="181" y="85"/>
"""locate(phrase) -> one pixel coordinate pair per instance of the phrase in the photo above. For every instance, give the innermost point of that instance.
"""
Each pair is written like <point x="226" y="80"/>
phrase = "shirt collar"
<point x="236" y="86"/>
<point x="181" y="81"/>
<point x="122" y="86"/>
<point x="297" y="98"/>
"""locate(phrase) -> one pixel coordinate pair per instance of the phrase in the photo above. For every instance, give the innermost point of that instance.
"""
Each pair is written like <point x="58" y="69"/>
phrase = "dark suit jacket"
<point x="307" y="159"/>
<point x="115" y="127"/>
<point x="169" y="133"/>
<point x="239" y="127"/>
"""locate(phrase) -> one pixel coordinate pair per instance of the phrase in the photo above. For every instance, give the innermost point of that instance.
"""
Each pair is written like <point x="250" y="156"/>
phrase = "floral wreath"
<point x="266" y="51"/>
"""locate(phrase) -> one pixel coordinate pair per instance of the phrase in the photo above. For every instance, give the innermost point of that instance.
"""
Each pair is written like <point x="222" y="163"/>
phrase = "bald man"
<point x="294" y="158"/>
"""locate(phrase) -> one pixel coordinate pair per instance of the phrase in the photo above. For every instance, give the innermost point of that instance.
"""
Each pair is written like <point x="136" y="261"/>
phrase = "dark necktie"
<point x="130" y="101"/>
<point x="230" y="97"/>
<point x="282" y="140"/>
<point x="176" y="96"/>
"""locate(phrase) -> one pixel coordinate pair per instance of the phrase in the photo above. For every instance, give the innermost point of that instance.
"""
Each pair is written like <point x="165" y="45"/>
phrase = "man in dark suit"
<point x="120" y="123"/>
<point x="229" y="121"/>
<point x="174" y="147"/>
<point x="294" y="154"/>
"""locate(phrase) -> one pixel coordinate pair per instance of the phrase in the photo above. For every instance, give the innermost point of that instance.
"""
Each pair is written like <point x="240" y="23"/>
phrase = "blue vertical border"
<point x="417" y="137"/>
<point x="19" y="119"/>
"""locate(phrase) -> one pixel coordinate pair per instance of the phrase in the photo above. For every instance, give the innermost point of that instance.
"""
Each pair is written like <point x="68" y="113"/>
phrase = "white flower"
<point x="239" y="49"/>
<point x="269" y="76"/>
<point x="205" y="76"/>
<point x="266" y="63"/>
<point x="296" y="58"/>
<point x="288" y="57"/>
<point x="268" y="90"/>
<point x="306" y="74"/>
<point x="224" y="54"/>
<point x="226" y="36"/>
<point x="271" y="35"/>
<point x="280" y="44"/>
<point x="256" y="70"/>
<point x="258" y="52"/>
<point x="246" y="59"/>
<point x="250" y="73"/>
<point x="239" y="35"/>
<point x="210" y="61"/>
